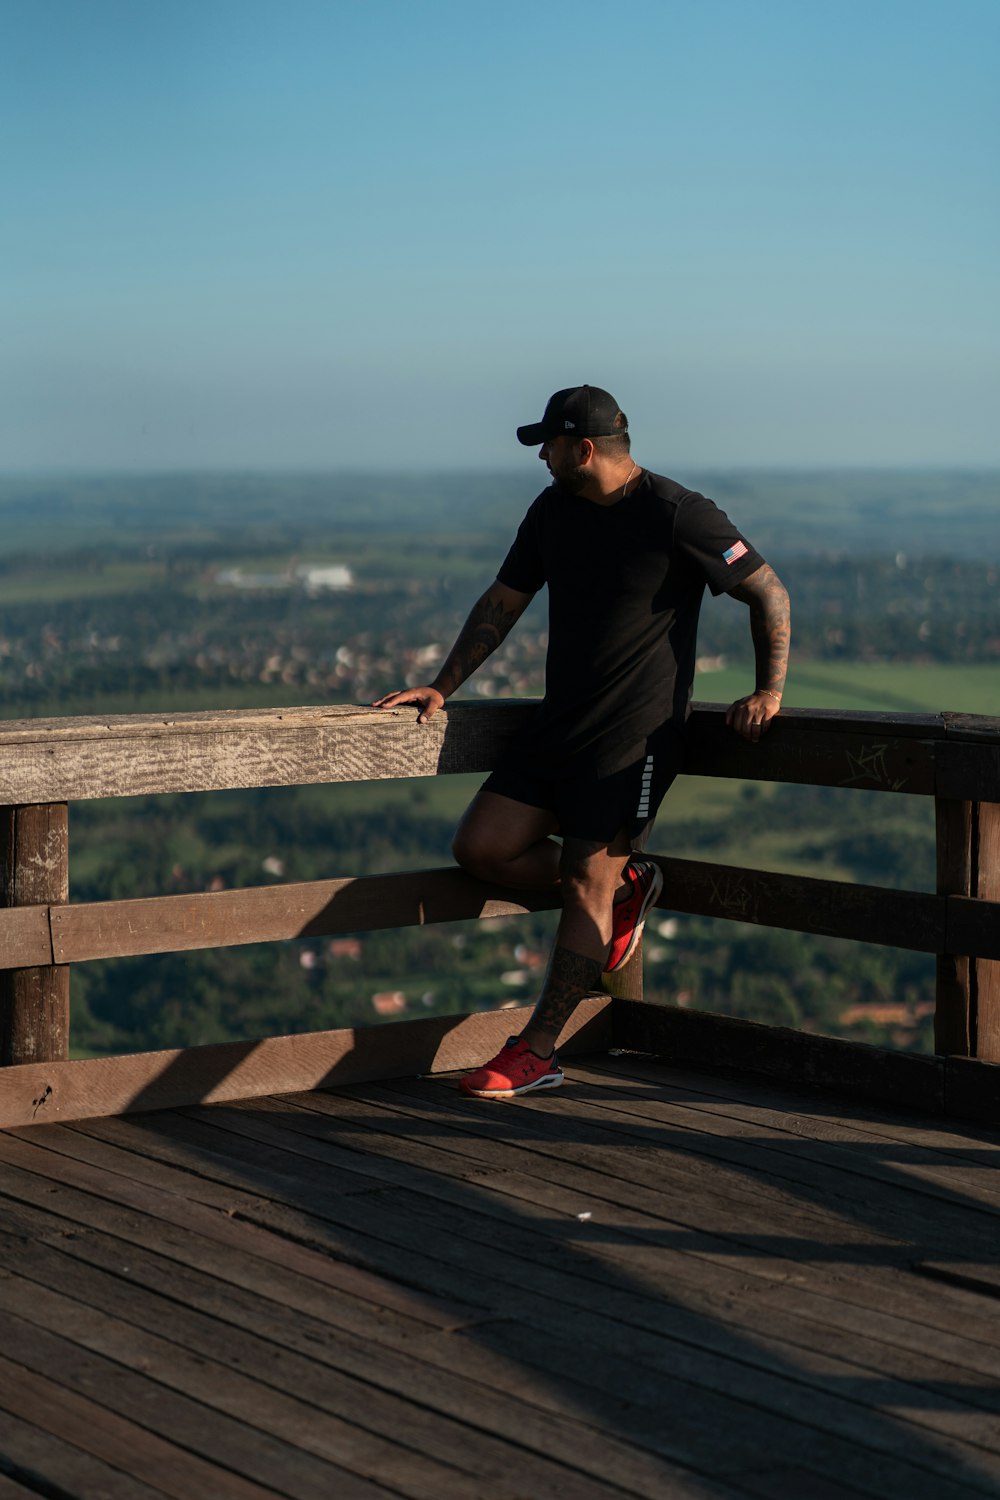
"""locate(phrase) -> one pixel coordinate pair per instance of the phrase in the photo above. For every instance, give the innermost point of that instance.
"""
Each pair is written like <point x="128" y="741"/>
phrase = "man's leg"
<point x="508" y="842"/>
<point x="591" y="876"/>
<point x="591" y="873"/>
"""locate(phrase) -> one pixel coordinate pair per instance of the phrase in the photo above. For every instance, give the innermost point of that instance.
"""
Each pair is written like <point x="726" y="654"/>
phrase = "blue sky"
<point x="307" y="233"/>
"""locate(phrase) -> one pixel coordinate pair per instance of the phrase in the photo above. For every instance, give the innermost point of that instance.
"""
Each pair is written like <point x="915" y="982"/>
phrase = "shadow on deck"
<point x="654" y="1282"/>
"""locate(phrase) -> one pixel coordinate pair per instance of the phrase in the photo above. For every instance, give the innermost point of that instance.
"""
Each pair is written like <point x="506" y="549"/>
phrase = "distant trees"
<point x="63" y="652"/>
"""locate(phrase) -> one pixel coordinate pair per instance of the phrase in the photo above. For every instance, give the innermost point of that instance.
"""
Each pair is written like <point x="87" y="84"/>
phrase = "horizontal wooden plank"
<point x="161" y="924"/>
<point x="58" y="760"/>
<point x="971" y="727"/>
<point x="969" y="771"/>
<point x="806" y="752"/>
<point x="100" y="728"/>
<point x="213" y="919"/>
<point x="801" y="1057"/>
<point x="829" y="908"/>
<point x="114" y="929"/>
<point x="972" y="927"/>
<point x="25" y="939"/>
<point x="52" y="760"/>
<point x="38" y="1093"/>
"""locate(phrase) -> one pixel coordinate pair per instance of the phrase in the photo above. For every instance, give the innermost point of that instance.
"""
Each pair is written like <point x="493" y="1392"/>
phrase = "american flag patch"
<point x="735" y="552"/>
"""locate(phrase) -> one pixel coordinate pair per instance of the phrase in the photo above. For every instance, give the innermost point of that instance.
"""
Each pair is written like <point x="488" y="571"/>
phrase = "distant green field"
<point x="890" y="688"/>
<point x="49" y="585"/>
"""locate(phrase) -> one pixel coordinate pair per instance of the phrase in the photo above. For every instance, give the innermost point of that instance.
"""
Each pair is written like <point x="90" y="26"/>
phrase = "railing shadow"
<point x="620" y="1319"/>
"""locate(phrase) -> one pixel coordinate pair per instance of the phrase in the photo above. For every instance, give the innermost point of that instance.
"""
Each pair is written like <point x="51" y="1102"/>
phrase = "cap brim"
<point x="531" y="435"/>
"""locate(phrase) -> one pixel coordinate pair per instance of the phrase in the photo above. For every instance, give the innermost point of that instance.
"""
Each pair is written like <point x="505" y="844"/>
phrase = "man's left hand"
<point x="751" y="716"/>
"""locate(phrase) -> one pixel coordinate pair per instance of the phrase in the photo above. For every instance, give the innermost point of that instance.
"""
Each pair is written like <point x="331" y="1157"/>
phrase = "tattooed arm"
<point x="490" y="619"/>
<point x="770" y="626"/>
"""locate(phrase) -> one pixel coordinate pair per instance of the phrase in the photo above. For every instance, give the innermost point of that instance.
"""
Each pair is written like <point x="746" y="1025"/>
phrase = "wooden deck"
<point x="652" y="1282"/>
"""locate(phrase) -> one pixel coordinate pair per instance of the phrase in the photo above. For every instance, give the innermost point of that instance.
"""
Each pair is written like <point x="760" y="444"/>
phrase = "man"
<point x="626" y="555"/>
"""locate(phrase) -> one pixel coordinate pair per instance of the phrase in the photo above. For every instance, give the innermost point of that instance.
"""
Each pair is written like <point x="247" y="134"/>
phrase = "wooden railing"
<point x="46" y="764"/>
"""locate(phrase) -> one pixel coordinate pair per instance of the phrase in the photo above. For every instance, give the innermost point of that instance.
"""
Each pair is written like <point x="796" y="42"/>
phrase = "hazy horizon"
<point x="429" y="470"/>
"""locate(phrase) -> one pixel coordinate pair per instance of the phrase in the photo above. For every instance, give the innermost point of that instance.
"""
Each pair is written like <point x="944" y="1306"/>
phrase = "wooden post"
<point x="986" y="988"/>
<point x="953" y="1012"/>
<point x="967" y="1020"/>
<point x="626" y="983"/>
<point x="34" y="871"/>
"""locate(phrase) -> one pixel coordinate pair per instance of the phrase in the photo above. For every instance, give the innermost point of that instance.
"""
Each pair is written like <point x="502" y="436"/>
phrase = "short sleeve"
<point x="523" y="568"/>
<point x="707" y="537"/>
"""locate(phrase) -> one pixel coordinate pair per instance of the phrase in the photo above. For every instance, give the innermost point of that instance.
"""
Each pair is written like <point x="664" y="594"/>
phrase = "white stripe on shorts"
<point x="642" y="811"/>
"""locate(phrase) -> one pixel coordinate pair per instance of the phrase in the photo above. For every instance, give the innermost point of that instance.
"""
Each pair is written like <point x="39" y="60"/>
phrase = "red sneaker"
<point x="514" y="1070"/>
<point x="630" y="915"/>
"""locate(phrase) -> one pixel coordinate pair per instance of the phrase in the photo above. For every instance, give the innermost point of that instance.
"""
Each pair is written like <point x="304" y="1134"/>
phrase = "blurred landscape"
<point x="208" y="591"/>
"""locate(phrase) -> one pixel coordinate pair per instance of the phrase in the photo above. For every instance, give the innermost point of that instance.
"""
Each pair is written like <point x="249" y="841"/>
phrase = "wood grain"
<point x="25" y="937"/>
<point x="258" y="914"/>
<point x="142" y="754"/>
<point x="161" y="924"/>
<point x="34" y="871"/>
<point x="830" y="908"/>
<point x="987" y="1011"/>
<point x="123" y="755"/>
<point x="814" y="752"/>
<point x="952" y="1014"/>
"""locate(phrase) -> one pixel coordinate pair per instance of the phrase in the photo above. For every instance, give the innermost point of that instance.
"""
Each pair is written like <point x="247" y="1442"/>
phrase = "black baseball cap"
<point x="580" y="411"/>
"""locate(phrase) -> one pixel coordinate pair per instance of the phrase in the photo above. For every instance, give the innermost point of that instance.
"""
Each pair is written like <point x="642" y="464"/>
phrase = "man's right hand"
<point x="429" y="699"/>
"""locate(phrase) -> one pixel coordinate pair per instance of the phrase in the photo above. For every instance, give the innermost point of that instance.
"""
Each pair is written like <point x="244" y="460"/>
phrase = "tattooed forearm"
<point x="770" y="625"/>
<point x="490" y="620"/>
<point x="571" y="976"/>
<point x="485" y="628"/>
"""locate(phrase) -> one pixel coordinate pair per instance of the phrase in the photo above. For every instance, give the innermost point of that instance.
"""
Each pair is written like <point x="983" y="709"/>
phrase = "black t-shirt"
<point x="625" y="588"/>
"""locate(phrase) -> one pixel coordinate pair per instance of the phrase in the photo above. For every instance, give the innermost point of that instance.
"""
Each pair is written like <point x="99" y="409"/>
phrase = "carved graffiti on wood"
<point x="869" y="767"/>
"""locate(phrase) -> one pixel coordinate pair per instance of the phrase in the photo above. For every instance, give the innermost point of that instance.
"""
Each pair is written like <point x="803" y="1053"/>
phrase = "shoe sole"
<point x="524" y="1088"/>
<point x="655" y="887"/>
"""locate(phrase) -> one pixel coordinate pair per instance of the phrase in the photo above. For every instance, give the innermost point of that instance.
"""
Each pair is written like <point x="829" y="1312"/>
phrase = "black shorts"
<point x="598" y="808"/>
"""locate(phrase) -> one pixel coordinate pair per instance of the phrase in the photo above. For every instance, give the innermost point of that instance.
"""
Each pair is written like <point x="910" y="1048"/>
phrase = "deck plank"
<point x="953" y="1137"/>
<point x="437" y="1371"/>
<point x="176" y="1125"/>
<point x="633" y="1186"/>
<point x="964" y="1353"/>
<point x="143" y="1458"/>
<point x="388" y="1432"/>
<point x="937" y="1156"/>
<point x="42" y="1463"/>
<point x="390" y="1290"/>
<point x="97" y="1357"/>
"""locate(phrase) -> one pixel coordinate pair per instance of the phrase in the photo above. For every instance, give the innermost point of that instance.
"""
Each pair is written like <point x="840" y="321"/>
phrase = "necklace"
<point x="627" y="482"/>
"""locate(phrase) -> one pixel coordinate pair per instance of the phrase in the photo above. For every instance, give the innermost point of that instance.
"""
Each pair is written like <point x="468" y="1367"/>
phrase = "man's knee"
<point x="590" y="877"/>
<point x="580" y="888"/>
<point x="496" y="833"/>
<point x="471" y="851"/>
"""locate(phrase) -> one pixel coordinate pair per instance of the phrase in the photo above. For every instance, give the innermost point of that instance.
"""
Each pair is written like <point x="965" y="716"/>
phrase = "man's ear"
<point x="586" y="451"/>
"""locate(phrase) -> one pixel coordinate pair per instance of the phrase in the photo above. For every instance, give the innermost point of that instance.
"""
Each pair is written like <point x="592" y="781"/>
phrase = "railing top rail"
<point x="246" y="720"/>
<point x="54" y="760"/>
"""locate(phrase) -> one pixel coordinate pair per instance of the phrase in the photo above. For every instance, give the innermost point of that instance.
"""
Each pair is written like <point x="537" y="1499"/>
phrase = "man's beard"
<point x="573" y="479"/>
